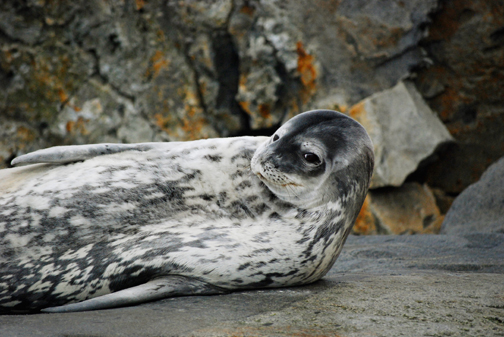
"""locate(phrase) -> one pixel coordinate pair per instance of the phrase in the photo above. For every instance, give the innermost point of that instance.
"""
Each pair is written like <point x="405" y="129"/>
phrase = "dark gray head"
<point x="315" y="158"/>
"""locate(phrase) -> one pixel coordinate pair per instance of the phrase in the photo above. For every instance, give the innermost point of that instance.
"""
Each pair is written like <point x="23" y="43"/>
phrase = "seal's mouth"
<point x="275" y="183"/>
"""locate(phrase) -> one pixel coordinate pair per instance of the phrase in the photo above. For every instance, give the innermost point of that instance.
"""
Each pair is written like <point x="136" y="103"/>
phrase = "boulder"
<point x="480" y="207"/>
<point x="463" y="84"/>
<point x="403" y="129"/>
<point x="178" y="70"/>
<point x="409" y="209"/>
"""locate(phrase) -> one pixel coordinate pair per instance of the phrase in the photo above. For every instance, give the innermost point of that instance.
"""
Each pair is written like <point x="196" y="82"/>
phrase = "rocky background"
<point x="425" y="77"/>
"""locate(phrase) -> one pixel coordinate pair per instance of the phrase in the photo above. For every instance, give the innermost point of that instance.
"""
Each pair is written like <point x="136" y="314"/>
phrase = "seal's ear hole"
<point x="275" y="138"/>
<point x="311" y="158"/>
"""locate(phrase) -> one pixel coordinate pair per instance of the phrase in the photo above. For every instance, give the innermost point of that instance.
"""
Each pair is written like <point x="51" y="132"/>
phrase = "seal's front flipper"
<point x="73" y="153"/>
<point x="156" y="289"/>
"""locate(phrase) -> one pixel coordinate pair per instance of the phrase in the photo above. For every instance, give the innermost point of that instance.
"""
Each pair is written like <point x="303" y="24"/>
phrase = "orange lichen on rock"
<point x="365" y="223"/>
<point x="160" y="36"/>
<point x="306" y="69"/>
<point x="187" y="124"/>
<point x="193" y="124"/>
<point x="163" y="122"/>
<point x="66" y="100"/>
<point x="242" y="86"/>
<point x="139" y="4"/>
<point x="70" y="126"/>
<point x="242" y="83"/>
<point x="248" y="10"/>
<point x="341" y="108"/>
<point x="359" y="113"/>
<point x="265" y="111"/>
<point x="51" y="78"/>
<point x="158" y="63"/>
<point x="77" y="126"/>
<point x="62" y="95"/>
<point x="7" y="58"/>
<point x="25" y="135"/>
<point x="245" y="106"/>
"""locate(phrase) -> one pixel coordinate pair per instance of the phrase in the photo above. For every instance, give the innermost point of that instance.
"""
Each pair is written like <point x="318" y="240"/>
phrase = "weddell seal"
<point x="99" y="226"/>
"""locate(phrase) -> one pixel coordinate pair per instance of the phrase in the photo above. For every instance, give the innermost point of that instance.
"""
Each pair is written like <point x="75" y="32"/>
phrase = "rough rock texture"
<point x="480" y="208"/>
<point x="130" y="71"/>
<point x="409" y="209"/>
<point x="464" y="85"/>
<point x="404" y="132"/>
<point x="419" y="285"/>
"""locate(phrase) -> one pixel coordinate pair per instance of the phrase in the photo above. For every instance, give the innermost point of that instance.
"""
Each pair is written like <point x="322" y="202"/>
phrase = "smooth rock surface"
<point x="421" y="285"/>
<point x="403" y="129"/>
<point x="480" y="207"/>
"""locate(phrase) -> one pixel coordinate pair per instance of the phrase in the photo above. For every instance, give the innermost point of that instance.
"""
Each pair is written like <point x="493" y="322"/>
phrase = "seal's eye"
<point x="275" y="138"/>
<point x="312" y="158"/>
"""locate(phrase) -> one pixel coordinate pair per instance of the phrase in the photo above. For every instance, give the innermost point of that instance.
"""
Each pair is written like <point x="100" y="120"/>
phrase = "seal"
<point x="100" y="226"/>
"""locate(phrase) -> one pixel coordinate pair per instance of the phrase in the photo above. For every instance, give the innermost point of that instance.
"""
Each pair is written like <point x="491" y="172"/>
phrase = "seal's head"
<point x="315" y="158"/>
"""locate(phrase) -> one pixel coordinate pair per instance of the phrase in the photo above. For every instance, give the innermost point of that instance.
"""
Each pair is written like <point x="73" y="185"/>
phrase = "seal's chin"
<point x="287" y="187"/>
<point x="300" y="192"/>
<point x="282" y="185"/>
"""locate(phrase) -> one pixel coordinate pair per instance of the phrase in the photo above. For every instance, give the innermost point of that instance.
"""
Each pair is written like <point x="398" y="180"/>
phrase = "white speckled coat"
<point x="194" y="210"/>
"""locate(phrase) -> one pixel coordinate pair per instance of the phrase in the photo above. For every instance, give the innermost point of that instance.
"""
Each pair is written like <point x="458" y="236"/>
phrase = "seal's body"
<point x="115" y="224"/>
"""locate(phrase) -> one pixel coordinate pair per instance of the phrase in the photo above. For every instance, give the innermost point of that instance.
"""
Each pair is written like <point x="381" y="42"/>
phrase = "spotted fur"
<point x="205" y="216"/>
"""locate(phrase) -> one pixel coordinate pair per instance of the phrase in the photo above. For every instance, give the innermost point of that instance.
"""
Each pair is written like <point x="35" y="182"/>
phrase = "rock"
<point x="409" y="209"/>
<point x="199" y="30"/>
<point x="463" y="85"/>
<point x="21" y="28"/>
<point x="480" y="207"/>
<point x="201" y="15"/>
<point x="444" y="285"/>
<point x="443" y="200"/>
<point x="365" y="47"/>
<point x="193" y="69"/>
<point x="267" y="44"/>
<point x="365" y="224"/>
<point x="404" y="131"/>
<point x="17" y="137"/>
<point x="327" y="55"/>
<point x="93" y="115"/>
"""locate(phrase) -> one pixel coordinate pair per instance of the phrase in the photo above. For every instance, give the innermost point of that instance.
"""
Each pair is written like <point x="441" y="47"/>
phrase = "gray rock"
<point x="420" y="285"/>
<point x="201" y="15"/>
<point x="193" y="69"/>
<point x="408" y="209"/>
<point x="27" y="31"/>
<point x="404" y="131"/>
<point x="364" y="46"/>
<point x="465" y="84"/>
<point x="480" y="207"/>
<point x="266" y="41"/>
